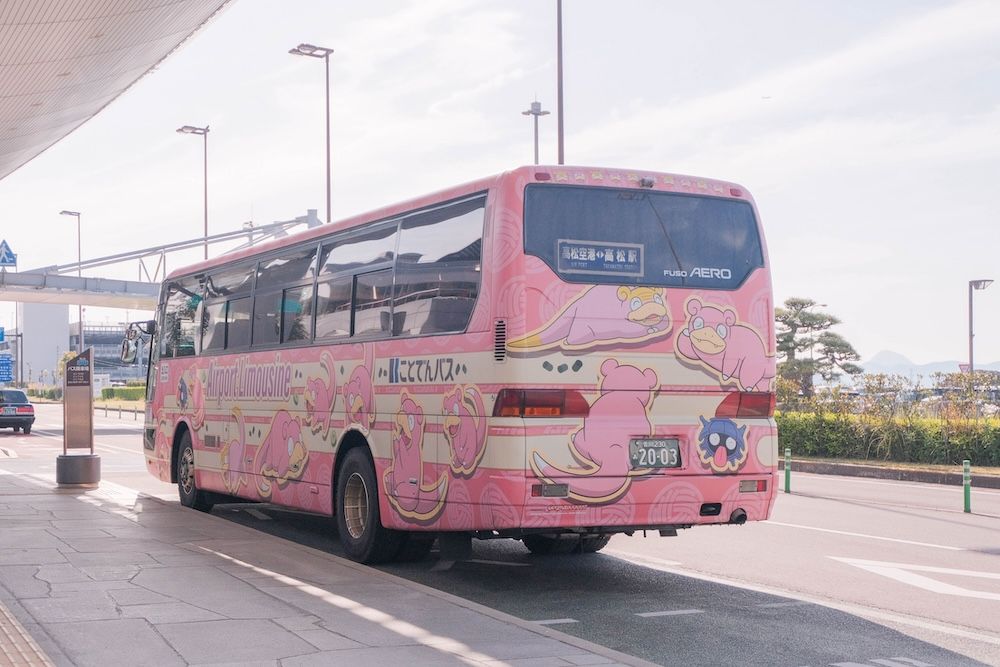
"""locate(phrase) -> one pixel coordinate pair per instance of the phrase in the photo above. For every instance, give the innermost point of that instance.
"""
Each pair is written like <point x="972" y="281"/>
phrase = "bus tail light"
<point x="753" y="485"/>
<point x="746" y="404"/>
<point x="540" y="403"/>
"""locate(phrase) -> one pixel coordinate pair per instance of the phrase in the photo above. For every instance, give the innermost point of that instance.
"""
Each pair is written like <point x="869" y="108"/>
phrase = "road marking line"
<point x="905" y="573"/>
<point x="497" y="562"/>
<point x="777" y="605"/>
<point x="856" y="609"/>
<point x="900" y="662"/>
<point x="674" y="612"/>
<point x="556" y="621"/>
<point x="870" y="537"/>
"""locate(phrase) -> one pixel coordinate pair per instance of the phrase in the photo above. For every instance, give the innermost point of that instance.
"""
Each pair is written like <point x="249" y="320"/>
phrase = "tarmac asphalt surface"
<point x="848" y="572"/>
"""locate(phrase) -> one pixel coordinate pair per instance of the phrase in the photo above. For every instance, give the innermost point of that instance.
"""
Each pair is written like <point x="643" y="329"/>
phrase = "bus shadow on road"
<point x="660" y="616"/>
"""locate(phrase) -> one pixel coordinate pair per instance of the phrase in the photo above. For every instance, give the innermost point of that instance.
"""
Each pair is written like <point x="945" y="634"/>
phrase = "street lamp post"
<point x="536" y="111"/>
<point x="79" y="261"/>
<point x="974" y="285"/>
<point x="203" y="132"/>
<point x="559" y="77"/>
<point x="314" y="51"/>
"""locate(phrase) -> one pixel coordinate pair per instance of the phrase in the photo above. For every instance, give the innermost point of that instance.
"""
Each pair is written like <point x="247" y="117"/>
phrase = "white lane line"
<point x="556" y="621"/>
<point x="865" y="535"/>
<point x="497" y="562"/>
<point x="856" y="609"/>
<point x="673" y="612"/>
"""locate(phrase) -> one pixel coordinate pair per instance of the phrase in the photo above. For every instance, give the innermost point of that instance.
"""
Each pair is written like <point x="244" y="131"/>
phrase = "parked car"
<point x="16" y="411"/>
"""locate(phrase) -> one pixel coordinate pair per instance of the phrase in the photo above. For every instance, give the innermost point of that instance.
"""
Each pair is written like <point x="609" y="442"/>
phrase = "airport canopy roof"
<point x="62" y="62"/>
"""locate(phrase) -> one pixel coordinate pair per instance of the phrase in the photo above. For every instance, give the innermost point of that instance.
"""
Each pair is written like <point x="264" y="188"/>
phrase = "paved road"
<point x="848" y="572"/>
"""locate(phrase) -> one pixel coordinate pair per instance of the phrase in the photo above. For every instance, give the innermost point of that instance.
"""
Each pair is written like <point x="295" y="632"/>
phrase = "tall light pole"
<point x="203" y="131"/>
<point x="559" y="77"/>
<point x="79" y="261"/>
<point x="314" y="51"/>
<point x="536" y="111"/>
<point x="974" y="285"/>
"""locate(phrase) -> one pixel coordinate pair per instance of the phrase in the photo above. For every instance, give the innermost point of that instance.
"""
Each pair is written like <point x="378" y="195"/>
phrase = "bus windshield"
<point x="618" y="236"/>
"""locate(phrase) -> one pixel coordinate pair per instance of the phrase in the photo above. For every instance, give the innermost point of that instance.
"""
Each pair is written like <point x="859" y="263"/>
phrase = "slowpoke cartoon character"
<point x="320" y="397"/>
<point x="359" y="394"/>
<point x="232" y="456"/>
<point x="601" y="446"/>
<point x="602" y="315"/>
<point x="714" y="338"/>
<point x="465" y="429"/>
<point x="191" y="396"/>
<point x="409" y="495"/>
<point x="281" y="456"/>
<point x="722" y="445"/>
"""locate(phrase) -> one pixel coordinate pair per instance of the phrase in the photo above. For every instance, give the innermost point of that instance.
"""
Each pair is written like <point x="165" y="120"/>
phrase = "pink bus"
<point x="554" y="354"/>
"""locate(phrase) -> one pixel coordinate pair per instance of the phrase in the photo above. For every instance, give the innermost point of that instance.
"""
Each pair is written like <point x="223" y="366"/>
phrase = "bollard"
<point x="119" y="412"/>
<point x="967" y="483"/>
<point x="788" y="469"/>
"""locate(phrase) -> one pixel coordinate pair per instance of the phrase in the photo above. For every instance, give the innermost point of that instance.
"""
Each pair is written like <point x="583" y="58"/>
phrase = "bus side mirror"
<point x="151" y="327"/>
<point x="130" y="350"/>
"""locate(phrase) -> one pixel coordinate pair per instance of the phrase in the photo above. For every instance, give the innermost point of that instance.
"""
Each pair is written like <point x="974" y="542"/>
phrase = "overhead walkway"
<point x="51" y="284"/>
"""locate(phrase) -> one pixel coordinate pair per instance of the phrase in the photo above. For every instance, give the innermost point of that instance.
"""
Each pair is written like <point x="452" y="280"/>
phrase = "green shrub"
<point x="124" y="393"/>
<point x="902" y="439"/>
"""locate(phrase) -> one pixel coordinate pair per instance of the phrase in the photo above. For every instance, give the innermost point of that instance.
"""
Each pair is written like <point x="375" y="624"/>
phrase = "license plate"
<point x="10" y="411"/>
<point x="654" y="453"/>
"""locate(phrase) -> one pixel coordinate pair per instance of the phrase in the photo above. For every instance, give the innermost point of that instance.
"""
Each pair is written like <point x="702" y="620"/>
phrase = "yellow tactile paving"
<point x="17" y="649"/>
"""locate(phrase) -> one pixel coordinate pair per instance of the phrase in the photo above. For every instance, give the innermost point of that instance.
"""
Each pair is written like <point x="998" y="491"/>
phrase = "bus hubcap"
<point x="356" y="505"/>
<point x="186" y="473"/>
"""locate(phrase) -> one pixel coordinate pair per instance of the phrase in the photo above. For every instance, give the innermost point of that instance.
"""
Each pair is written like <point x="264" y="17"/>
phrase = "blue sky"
<point x="869" y="134"/>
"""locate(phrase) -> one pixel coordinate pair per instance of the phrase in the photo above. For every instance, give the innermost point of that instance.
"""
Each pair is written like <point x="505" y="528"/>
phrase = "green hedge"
<point x="124" y="393"/>
<point x="911" y="440"/>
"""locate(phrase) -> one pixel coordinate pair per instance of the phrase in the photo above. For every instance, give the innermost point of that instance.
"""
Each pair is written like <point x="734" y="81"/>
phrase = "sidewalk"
<point x="105" y="578"/>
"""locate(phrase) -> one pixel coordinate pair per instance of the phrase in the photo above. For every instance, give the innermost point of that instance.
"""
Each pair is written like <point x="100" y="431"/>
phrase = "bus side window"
<point x="180" y="319"/>
<point x="213" y="327"/>
<point x="238" y="323"/>
<point x="372" y="303"/>
<point x="438" y="268"/>
<point x="333" y="307"/>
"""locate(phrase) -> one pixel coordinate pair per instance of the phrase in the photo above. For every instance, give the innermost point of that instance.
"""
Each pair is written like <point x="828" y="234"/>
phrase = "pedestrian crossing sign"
<point x="7" y="256"/>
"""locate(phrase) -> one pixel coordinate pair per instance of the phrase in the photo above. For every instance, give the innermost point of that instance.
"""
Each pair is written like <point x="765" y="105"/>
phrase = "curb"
<point x="879" y="472"/>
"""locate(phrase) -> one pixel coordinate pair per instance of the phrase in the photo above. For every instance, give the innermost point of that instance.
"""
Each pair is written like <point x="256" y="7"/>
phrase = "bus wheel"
<point x="358" y="521"/>
<point x="188" y="490"/>
<point x="593" y="544"/>
<point x="550" y="545"/>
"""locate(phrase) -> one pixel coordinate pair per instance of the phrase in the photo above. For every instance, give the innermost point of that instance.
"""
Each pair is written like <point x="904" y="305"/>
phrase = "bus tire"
<point x="187" y="488"/>
<point x="594" y="543"/>
<point x="359" y="522"/>
<point x="550" y="545"/>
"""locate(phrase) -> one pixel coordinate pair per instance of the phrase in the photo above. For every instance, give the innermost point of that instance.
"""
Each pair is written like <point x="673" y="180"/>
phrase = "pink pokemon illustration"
<point x="191" y="396"/>
<point x="232" y="456"/>
<point x="465" y="429"/>
<point x="359" y="394"/>
<point x="321" y="397"/>
<point x="714" y="338"/>
<point x="409" y="495"/>
<point x="600" y="447"/>
<point x="602" y="315"/>
<point x="281" y="456"/>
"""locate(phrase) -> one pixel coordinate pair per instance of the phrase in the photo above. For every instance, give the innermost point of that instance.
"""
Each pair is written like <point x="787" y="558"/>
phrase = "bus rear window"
<point x="606" y="235"/>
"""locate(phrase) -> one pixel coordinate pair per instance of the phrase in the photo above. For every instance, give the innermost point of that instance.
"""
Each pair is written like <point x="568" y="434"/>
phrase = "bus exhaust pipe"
<point x="738" y="517"/>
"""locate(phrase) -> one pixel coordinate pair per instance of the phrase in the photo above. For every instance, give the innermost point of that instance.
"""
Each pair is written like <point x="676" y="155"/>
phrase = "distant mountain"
<point x="887" y="361"/>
